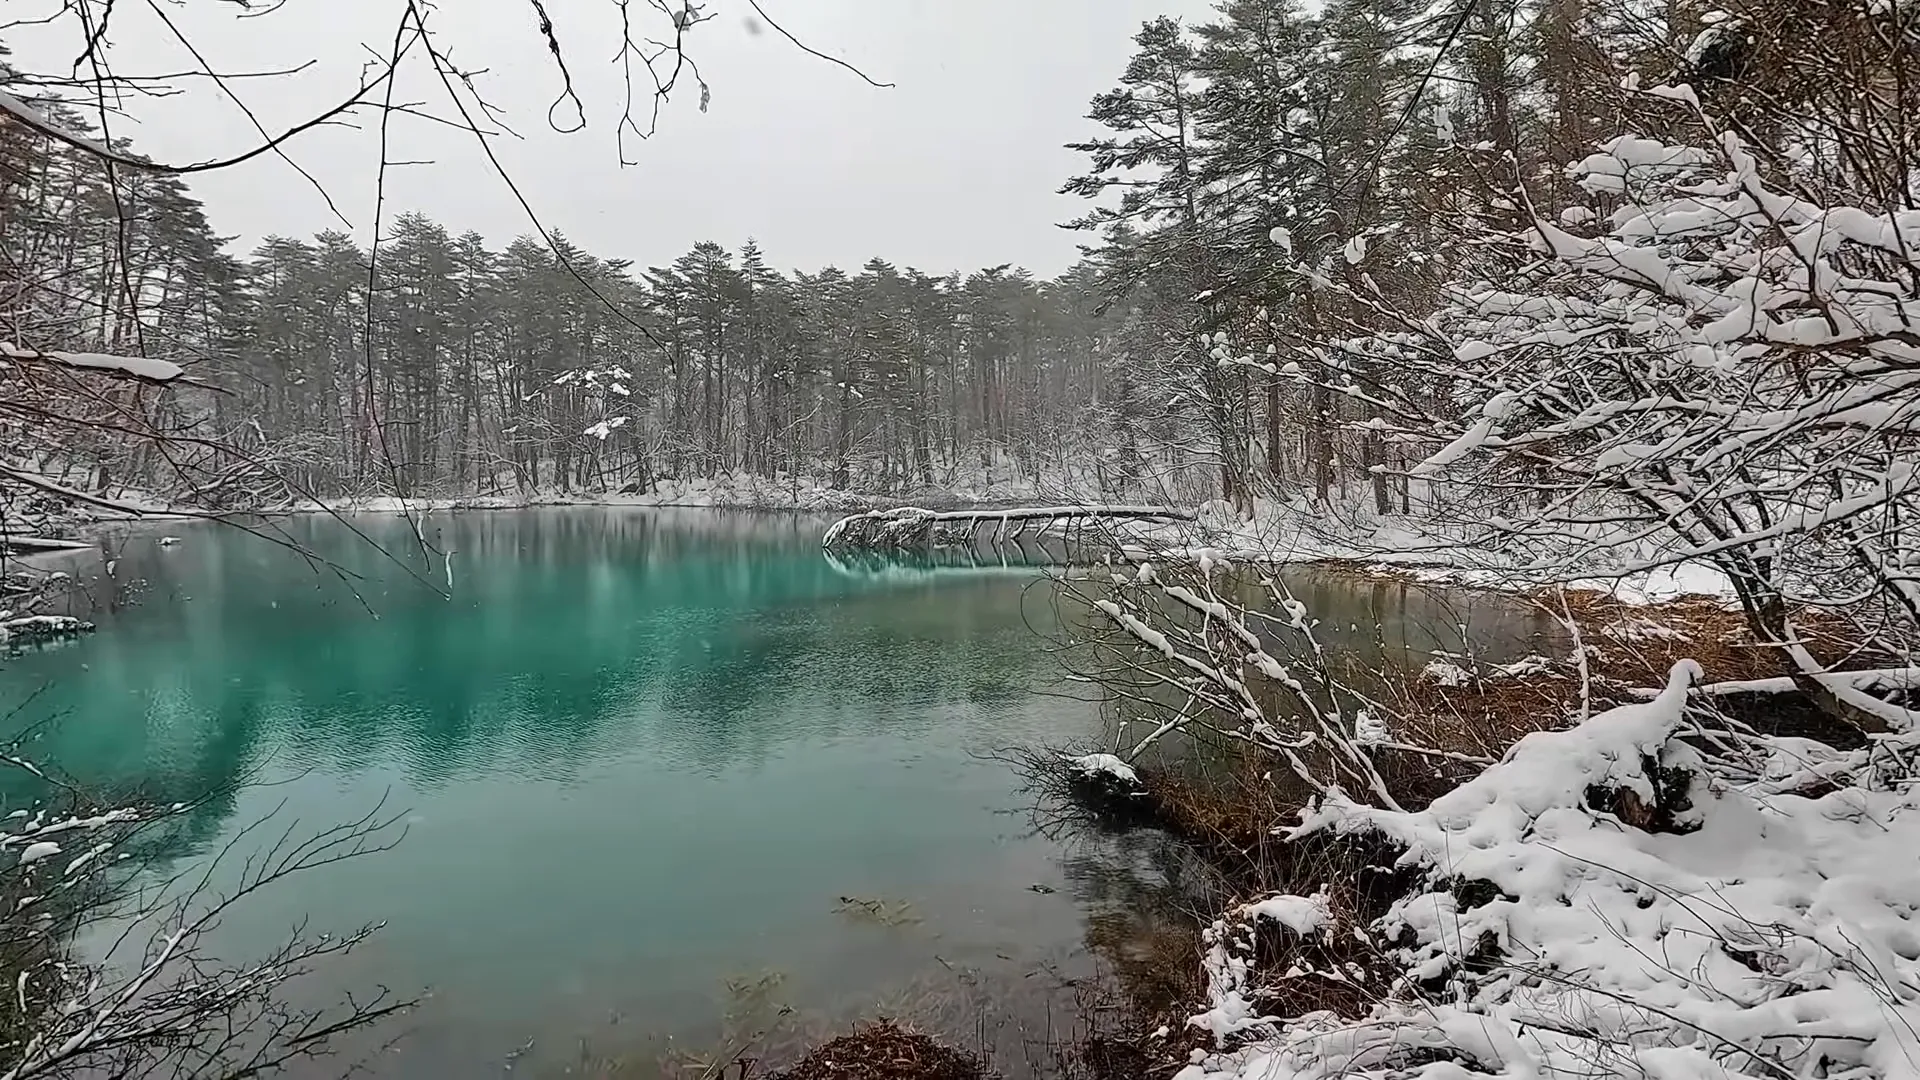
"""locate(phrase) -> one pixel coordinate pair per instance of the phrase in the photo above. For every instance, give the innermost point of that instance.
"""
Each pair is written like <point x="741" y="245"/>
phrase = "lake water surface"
<point x="642" y="755"/>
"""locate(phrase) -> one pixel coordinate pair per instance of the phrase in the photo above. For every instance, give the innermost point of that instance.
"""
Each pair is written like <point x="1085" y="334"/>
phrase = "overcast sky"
<point x="954" y="168"/>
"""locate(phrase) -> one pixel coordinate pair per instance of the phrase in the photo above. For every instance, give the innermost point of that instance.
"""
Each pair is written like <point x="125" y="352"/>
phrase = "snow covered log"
<point x="15" y="630"/>
<point x="893" y="564"/>
<point x="41" y="544"/>
<point x="914" y="527"/>
<point x="1104" y="781"/>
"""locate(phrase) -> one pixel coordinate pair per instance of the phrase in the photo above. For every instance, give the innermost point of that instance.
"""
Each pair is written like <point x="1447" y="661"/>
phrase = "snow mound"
<point x="1092" y="766"/>
<point x="1304" y="915"/>
<point x="1446" y="673"/>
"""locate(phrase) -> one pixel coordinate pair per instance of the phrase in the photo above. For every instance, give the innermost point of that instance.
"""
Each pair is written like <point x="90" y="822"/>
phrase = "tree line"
<point x="435" y="363"/>
<point x="1256" y="163"/>
<point x="544" y="366"/>
<point x="1277" y="190"/>
<point x="1594" y="291"/>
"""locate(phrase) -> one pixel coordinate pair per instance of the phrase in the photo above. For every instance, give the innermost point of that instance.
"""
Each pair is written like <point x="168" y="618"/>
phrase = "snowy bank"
<point x="1279" y="532"/>
<point x="27" y="629"/>
<point x="1650" y="893"/>
<point x="740" y="492"/>
<point x="732" y="491"/>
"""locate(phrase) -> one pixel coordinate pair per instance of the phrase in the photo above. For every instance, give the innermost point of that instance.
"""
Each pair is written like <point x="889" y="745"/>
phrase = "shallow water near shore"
<point x="648" y="761"/>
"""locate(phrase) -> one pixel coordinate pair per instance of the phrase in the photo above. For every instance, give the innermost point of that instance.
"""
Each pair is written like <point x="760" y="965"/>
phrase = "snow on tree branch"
<point x="138" y="367"/>
<point x="1725" y="372"/>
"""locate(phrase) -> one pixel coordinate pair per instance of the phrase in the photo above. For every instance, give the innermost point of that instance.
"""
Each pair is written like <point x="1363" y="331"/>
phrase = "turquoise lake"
<point x="644" y="758"/>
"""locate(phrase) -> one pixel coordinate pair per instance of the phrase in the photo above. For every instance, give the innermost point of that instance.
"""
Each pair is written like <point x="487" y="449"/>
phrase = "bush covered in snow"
<point x="1654" y="892"/>
<point x="1712" y="365"/>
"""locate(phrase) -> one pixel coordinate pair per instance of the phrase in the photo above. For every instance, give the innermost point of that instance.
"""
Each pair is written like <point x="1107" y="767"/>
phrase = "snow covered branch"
<point x="137" y="367"/>
<point x="1724" y="372"/>
<point x="1189" y="653"/>
<point x="155" y="1003"/>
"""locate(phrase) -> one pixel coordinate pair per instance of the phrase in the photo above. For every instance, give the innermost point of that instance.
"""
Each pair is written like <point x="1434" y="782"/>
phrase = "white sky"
<point x="955" y="168"/>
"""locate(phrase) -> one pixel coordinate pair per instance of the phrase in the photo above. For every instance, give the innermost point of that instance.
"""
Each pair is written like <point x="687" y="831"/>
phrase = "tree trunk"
<point x="1320" y="443"/>
<point x="1766" y="613"/>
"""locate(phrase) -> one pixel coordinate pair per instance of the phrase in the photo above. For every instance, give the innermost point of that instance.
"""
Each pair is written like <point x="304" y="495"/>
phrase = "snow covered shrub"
<point x="1719" y="371"/>
<point x="1549" y="937"/>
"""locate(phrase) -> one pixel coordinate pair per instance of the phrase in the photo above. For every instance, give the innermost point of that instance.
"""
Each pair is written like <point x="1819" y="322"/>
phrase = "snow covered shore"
<point x="736" y="491"/>
<point x="1701" y="882"/>
<point x="1440" y="552"/>
<point x="726" y="493"/>
<point x="1272" y="533"/>
<point x="1654" y="892"/>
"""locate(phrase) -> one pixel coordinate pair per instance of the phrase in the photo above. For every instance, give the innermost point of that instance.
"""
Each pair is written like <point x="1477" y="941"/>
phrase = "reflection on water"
<point x="981" y="557"/>
<point x="642" y="753"/>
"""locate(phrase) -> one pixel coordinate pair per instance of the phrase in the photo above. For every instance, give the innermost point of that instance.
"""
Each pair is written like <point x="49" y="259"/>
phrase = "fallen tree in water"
<point x="913" y="527"/>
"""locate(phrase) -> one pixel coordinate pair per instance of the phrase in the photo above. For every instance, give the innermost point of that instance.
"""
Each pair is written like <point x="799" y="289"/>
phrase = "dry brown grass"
<point x="1700" y="629"/>
<point x="1628" y="647"/>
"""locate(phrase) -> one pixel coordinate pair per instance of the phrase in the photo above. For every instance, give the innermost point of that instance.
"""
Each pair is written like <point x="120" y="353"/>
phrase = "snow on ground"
<point x="1279" y="532"/>
<point x="1615" y="901"/>
<point x="1446" y="673"/>
<point x="1306" y="916"/>
<point x="743" y="491"/>
<point x="727" y="492"/>
<point x="1640" y="587"/>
